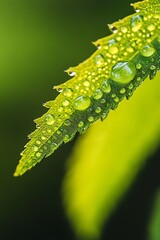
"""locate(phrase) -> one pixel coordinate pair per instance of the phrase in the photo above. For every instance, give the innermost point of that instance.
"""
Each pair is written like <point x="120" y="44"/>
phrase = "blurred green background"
<point x="39" y="40"/>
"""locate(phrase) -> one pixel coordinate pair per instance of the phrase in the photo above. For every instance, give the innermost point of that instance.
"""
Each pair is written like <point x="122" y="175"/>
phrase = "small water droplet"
<point x="67" y="122"/>
<point x="35" y="148"/>
<point x="38" y="154"/>
<point x="148" y="51"/>
<point x="139" y="79"/>
<point x="59" y="89"/>
<point x="123" y="72"/>
<point x="138" y="65"/>
<point x="66" y="138"/>
<point x="99" y="60"/>
<point x="112" y="28"/>
<point x="86" y="83"/>
<point x="124" y="29"/>
<point x="116" y="99"/>
<point x="152" y="67"/>
<point x="151" y="27"/>
<point x="103" y="101"/>
<point x="136" y="23"/>
<point x="90" y="119"/>
<point x="38" y="142"/>
<point x="68" y="92"/>
<point x="71" y="73"/>
<point x="43" y="138"/>
<point x="80" y="124"/>
<point x="98" y="110"/>
<point x="130" y="86"/>
<point x="106" y="87"/>
<point x="65" y="103"/>
<point x="122" y="91"/>
<point x="82" y="102"/>
<point x="50" y="120"/>
<point x="97" y="94"/>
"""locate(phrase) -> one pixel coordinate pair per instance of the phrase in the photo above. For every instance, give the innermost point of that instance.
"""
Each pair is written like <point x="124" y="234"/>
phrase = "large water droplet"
<point x="50" y="120"/>
<point x="136" y="23"/>
<point x="106" y="87"/>
<point x="82" y="102"/>
<point x="123" y="72"/>
<point x="148" y="51"/>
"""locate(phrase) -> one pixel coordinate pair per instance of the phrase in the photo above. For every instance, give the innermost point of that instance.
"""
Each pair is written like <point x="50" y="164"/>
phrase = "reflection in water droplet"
<point x="97" y="94"/>
<point x="123" y="90"/>
<point x="105" y="87"/>
<point x="82" y="102"/>
<point x="136" y="23"/>
<point x="50" y="119"/>
<point x="123" y="72"/>
<point x="71" y="74"/>
<point x="148" y="51"/>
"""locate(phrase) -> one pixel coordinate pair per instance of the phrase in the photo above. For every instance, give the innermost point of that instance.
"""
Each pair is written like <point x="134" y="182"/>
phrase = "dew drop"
<point x="86" y="83"/>
<point x="80" y="124"/>
<point x="67" y="122"/>
<point x="38" y="142"/>
<point x="113" y="49"/>
<point x="90" y="119"/>
<point x="152" y="67"/>
<point x="71" y="73"/>
<point x="66" y="138"/>
<point x="99" y="60"/>
<point x="98" y="110"/>
<point x="38" y="154"/>
<point x="68" y="92"/>
<point x="123" y="72"/>
<point x="82" y="102"/>
<point x="65" y="103"/>
<point x="138" y="65"/>
<point x="136" y="23"/>
<point x="122" y="91"/>
<point x="35" y="148"/>
<point x="97" y="94"/>
<point x="116" y="99"/>
<point x="50" y="120"/>
<point x="151" y="27"/>
<point x="106" y="87"/>
<point x="148" y="51"/>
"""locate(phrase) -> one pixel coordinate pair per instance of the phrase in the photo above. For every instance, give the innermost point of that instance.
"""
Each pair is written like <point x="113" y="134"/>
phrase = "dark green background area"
<point x="38" y="41"/>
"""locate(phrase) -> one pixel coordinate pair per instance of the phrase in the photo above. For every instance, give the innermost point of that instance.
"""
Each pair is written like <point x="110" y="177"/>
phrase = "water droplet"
<point x="38" y="154"/>
<point x="113" y="49"/>
<point x="98" y="110"/>
<point x="103" y="101"/>
<point x="90" y="119"/>
<point x="116" y="99"/>
<point x="151" y="27"/>
<point x="50" y="120"/>
<point x="71" y="73"/>
<point x="67" y="122"/>
<point x="68" y="92"/>
<point x="123" y="90"/>
<point x="123" y="72"/>
<point x="66" y="103"/>
<point x="38" y="142"/>
<point x="86" y="83"/>
<point x="124" y="29"/>
<point x="35" y="148"/>
<point x="99" y="60"/>
<point x="139" y="79"/>
<point x="80" y="124"/>
<point x="59" y="89"/>
<point x="138" y="65"/>
<point x="43" y="138"/>
<point x="106" y="87"/>
<point x="82" y="102"/>
<point x="97" y="94"/>
<point x="148" y="51"/>
<point x="130" y="86"/>
<point x="112" y="28"/>
<point x="152" y="67"/>
<point x="66" y="138"/>
<point x="136" y="23"/>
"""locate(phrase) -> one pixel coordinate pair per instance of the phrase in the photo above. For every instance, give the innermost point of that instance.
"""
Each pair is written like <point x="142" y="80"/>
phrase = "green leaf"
<point x="121" y="63"/>
<point x="106" y="159"/>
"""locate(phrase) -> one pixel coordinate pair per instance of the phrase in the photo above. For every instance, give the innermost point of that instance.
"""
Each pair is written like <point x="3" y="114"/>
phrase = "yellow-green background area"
<point x="38" y="41"/>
